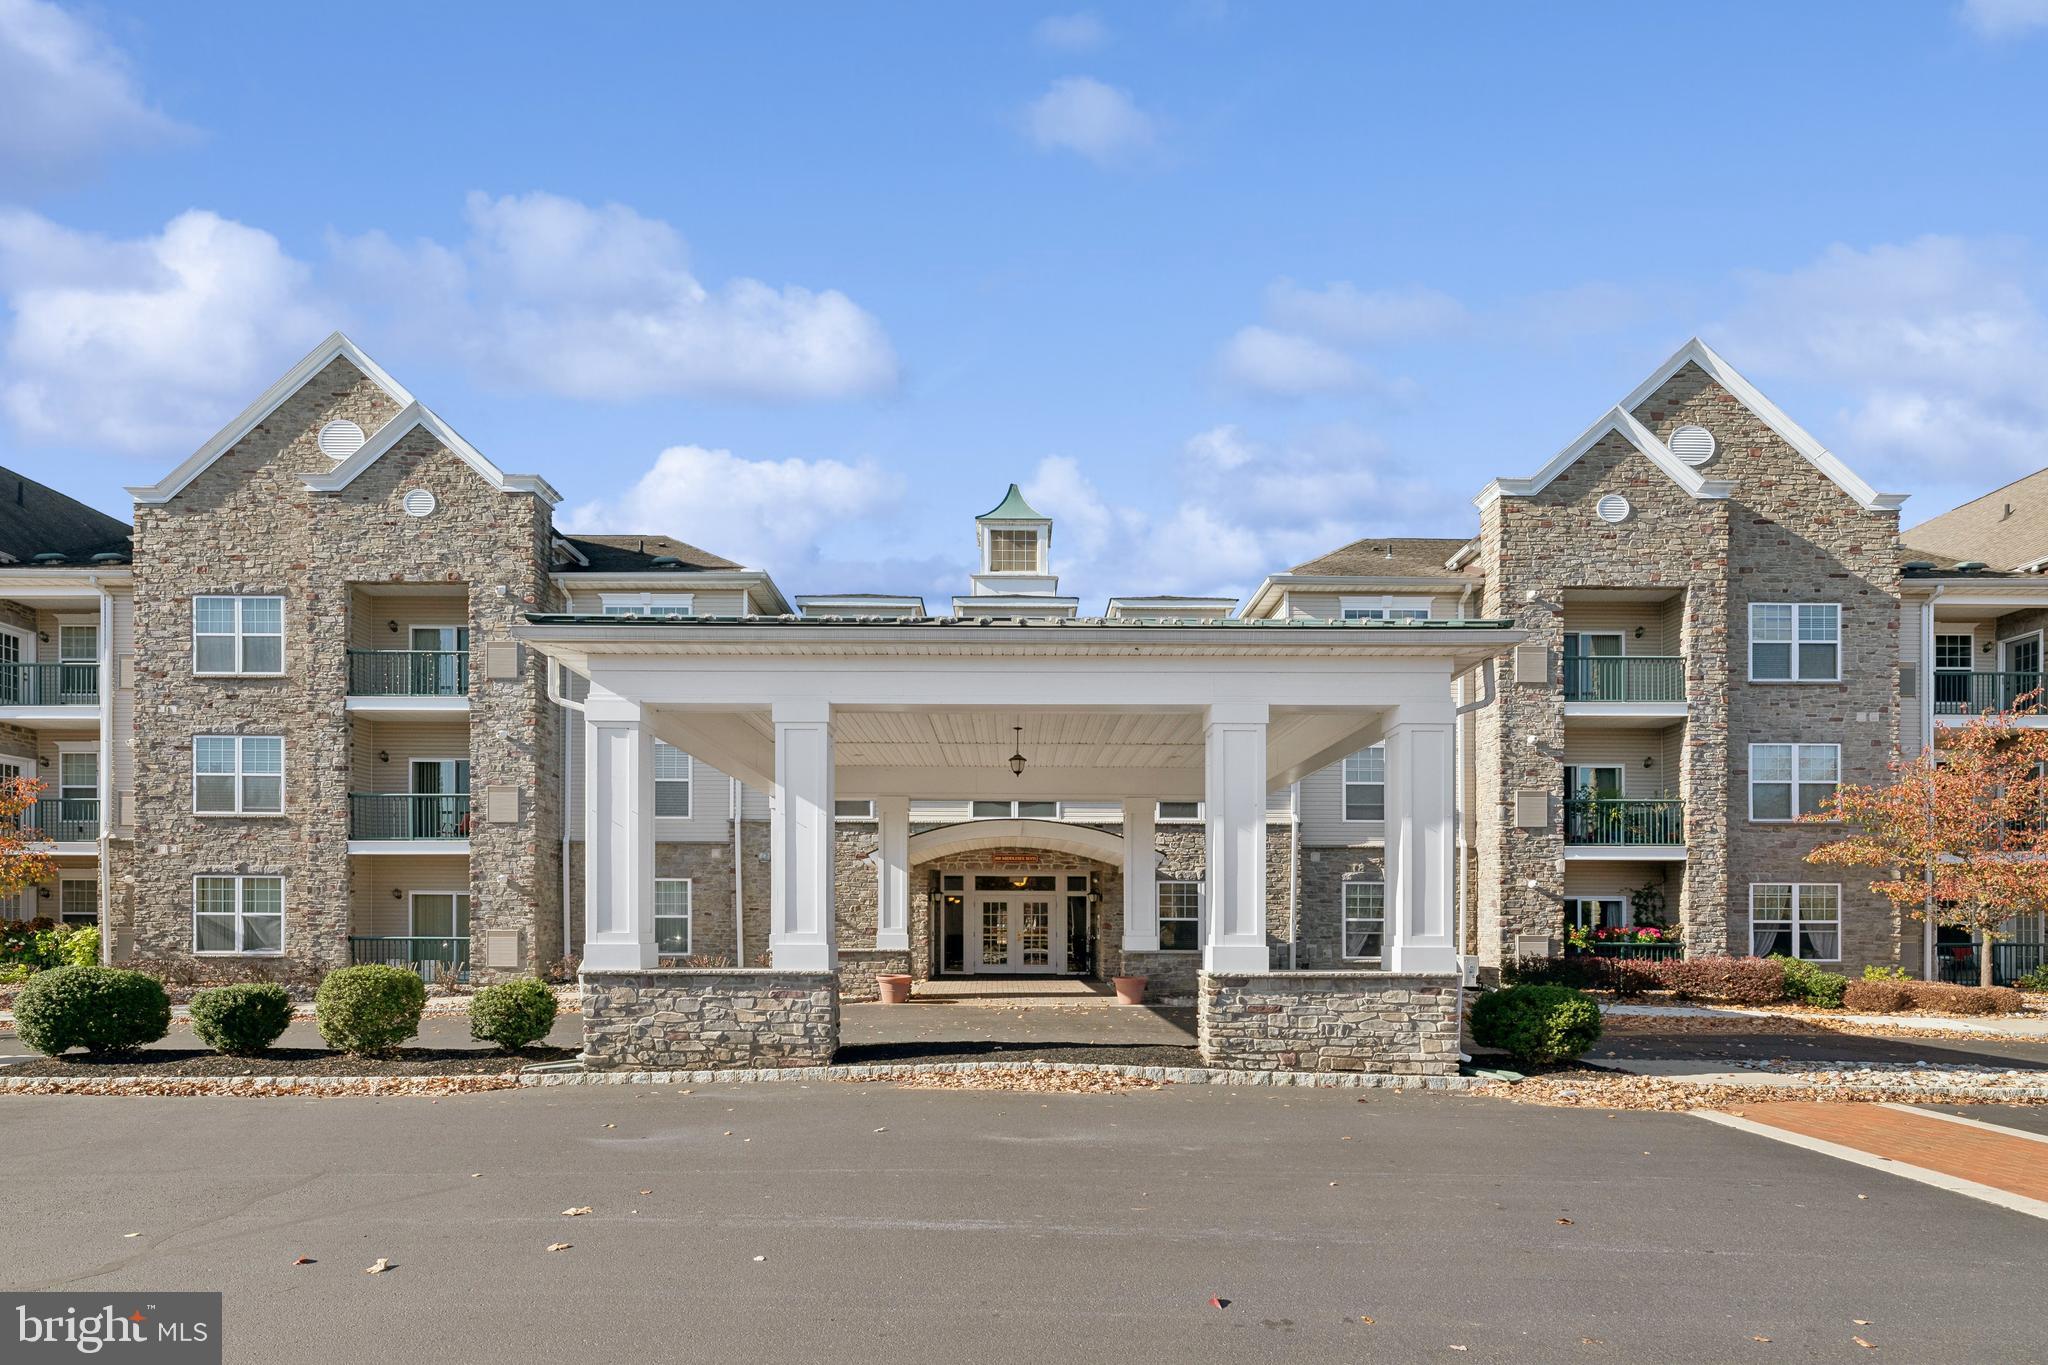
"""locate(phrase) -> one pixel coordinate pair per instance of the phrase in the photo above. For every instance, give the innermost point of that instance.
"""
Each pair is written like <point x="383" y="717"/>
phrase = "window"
<point x="1789" y="780"/>
<point x="1796" y="920"/>
<point x="232" y="635"/>
<point x="237" y="914"/>
<point x="854" y="810"/>
<point x="1180" y="810"/>
<point x="1180" y="917"/>
<point x="672" y="916"/>
<point x="1016" y="810"/>
<point x="1383" y="608"/>
<point x="238" y="774"/>
<point x="78" y="901"/>
<point x="648" y="603"/>
<point x="1012" y="551"/>
<point x="1952" y="651"/>
<point x="671" y="782"/>
<point x="1795" y="642"/>
<point x="1365" y="784"/>
<point x="1596" y="912"/>
<point x="1365" y="920"/>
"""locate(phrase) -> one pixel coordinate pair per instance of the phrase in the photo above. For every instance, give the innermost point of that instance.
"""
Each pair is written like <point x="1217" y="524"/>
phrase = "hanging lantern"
<point x="1017" y="758"/>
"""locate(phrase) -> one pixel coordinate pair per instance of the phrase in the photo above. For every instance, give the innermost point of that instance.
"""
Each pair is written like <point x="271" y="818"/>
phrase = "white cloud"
<point x="2005" y="18"/>
<point x="1081" y="114"/>
<point x="1343" y="312"/>
<point x="1283" y="365"/>
<point x="1082" y="32"/>
<point x="145" y="344"/>
<point x="1937" y="347"/>
<point x="771" y="514"/>
<point x="67" y="96"/>
<point x="553" y="294"/>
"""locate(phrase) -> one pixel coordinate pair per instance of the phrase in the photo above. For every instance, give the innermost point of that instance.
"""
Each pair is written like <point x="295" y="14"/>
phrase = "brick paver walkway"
<point x="2016" y="1164"/>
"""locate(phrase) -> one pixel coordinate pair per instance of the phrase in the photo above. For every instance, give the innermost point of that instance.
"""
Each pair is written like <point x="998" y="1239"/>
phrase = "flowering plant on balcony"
<point x="1585" y="939"/>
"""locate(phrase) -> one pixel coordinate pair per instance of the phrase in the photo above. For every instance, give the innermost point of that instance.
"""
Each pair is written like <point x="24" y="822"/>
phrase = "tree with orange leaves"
<point x="24" y="855"/>
<point x="1965" y="822"/>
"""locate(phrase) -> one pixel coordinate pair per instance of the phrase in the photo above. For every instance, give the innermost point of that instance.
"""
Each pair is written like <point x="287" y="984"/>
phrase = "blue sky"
<point x="1223" y="285"/>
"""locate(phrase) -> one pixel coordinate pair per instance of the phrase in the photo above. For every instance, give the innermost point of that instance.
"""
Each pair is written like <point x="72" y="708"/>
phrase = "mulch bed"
<point x="289" y="1061"/>
<point x="1097" y="1054"/>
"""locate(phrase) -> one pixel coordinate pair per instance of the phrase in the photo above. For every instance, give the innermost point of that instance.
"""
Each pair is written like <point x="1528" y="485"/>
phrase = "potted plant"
<point x="1130" y="990"/>
<point x="895" y="987"/>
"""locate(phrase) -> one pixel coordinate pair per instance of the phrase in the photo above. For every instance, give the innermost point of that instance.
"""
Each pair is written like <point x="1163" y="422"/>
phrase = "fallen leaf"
<point x="1361" y="1317"/>
<point x="476" y="1175"/>
<point x="126" y="1235"/>
<point x="647" y="1191"/>
<point x="1861" y="1322"/>
<point x="1459" y="1348"/>
<point x="560" y="1246"/>
<point x="1219" y="1303"/>
<point x="1863" y="1196"/>
<point x="1564" y="1222"/>
<point x="576" y="1213"/>
<point x="611" y="1125"/>
<point x="382" y="1264"/>
<point x="881" y="1130"/>
<point x="303" y="1260"/>
<point x="1868" y="1346"/>
<point x="1759" y="1338"/>
<point x="1333" y="1184"/>
<point x="1592" y="1341"/>
<point x="760" y="1258"/>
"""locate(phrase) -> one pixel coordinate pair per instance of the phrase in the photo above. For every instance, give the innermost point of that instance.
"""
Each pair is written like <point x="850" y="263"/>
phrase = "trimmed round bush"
<point x="1887" y="996"/>
<point x="101" y="1009"/>
<point x="369" y="1009"/>
<point x="512" y="1013"/>
<point x="240" y="1020"/>
<point x="1537" y="1023"/>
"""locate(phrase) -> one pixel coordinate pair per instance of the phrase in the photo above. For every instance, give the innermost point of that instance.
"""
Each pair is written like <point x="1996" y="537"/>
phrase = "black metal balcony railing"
<point x="408" y="672"/>
<point x="1615" y="820"/>
<point x="1632" y="677"/>
<point x="60" y="684"/>
<point x="1959" y="963"/>
<point x="64" y="820"/>
<point x="1966" y="692"/>
<point x="379" y="815"/>
<point x="433" y="958"/>
<point x="1632" y="952"/>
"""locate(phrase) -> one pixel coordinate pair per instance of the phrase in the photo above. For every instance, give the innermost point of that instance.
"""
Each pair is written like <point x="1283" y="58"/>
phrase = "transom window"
<point x="649" y="603"/>
<point x="854" y="810"/>
<point x="1180" y="810"/>
<point x="1365" y="784"/>
<point x="238" y="635"/>
<point x="1788" y="780"/>
<point x="1180" y="917"/>
<point x="1365" y="920"/>
<point x="237" y="914"/>
<point x="1791" y="919"/>
<point x="1795" y="642"/>
<point x="671" y="782"/>
<point x="1012" y="551"/>
<point x="1016" y="810"/>
<point x="238" y="774"/>
<point x="672" y="916"/>
<point x="1384" y="608"/>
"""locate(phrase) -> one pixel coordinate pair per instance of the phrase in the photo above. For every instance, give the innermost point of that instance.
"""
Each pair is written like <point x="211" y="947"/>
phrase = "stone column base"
<point x="708" y="1018"/>
<point x="1396" y="1023"/>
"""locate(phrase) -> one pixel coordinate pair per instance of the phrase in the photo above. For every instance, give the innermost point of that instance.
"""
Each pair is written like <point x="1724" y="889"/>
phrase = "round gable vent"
<point x="1694" y="445"/>
<point x="1613" y="507"/>
<point x="340" y="439"/>
<point x="419" y="503"/>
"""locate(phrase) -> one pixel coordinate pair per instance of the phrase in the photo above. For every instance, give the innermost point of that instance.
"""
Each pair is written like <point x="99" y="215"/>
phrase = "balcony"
<point x="435" y="959"/>
<point x="48" y="687"/>
<point x="1644" y="689"/>
<point x="65" y="820"/>
<point x="1960" y="693"/>
<point x="389" y="822"/>
<point x="1624" y="828"/>
<point x="1959" y="964"/>
<point x="399" y="680"/>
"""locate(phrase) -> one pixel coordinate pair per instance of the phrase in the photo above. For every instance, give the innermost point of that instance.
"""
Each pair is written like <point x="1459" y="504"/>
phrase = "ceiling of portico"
<point x="984" y="739"/>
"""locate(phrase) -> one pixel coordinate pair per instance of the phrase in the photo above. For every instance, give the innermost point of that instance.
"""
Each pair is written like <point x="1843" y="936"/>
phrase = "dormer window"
<point x="1012" y="551"/>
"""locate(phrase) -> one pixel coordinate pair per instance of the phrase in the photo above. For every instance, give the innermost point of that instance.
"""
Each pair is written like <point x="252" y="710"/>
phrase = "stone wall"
<point x="700" y="1019"/>
<point x="1324" y="871"/>
<point x="858" y="968"/>
<point x="1332" y="1021"/>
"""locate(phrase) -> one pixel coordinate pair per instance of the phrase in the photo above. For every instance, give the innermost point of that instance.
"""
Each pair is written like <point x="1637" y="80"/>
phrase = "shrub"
<point x="1873" y="972"/>
<point x="2036" y="980"/>
<point x="41" y="943"/>
<point x="370" y="1008"/>
<point x="1737" y="980"/>
<point x="101" y="1009"/>
<point x="1807" y="984"/>
<point x="80" y="947"/>
<point x="1893" y="997"/>
<point x="1886" y="996"/>
<point x="13" y="974"/>
<point x="239" y="1020"/>
<point x="1583" y="971"/>
<point x="512" y="1013"/>
<point x="1537" y="1023"/>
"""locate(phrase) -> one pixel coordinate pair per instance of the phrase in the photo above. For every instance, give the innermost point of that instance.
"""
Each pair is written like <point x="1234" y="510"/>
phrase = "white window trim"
<point x="1201" y="915"/>
<point x="1794" y="817"/>
<point x="1159" y="815"/>
<point x="644" y="603"/>
<point x="1969" y="640"/>
<point x="689" y="781"/>
<point x="239" y="636"/>
<point x="1594" y="898"/>
<point x="1798" y="895"/>
<point x="238" y="878"/>
<point x="1344" y="921"/>
<point x="412" y="923"/>
<point x="1059" y="810"/>
<point x="78" y="621"/>
<point x="283" y="797"/>
<point x="867" y="801"/>
<point x="689" y="916"/>
<point x="1345" y="784"/>
<point x="25" y="642"/>
<point x="1796" y="677"/>
<point x="2005" y="649"/>
<point x="1380" y="608"/>
<point x="67" y="877"/>
<point x="988" y="551"/>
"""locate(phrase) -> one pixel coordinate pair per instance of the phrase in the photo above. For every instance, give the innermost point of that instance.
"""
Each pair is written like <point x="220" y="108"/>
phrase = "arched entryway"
<point x="1015" y="898"/>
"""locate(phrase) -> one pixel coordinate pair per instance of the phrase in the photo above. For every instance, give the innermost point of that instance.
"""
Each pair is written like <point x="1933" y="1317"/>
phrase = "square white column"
<point x="618" y="836"/>
<point x="1421" y="838"/>
<point x="802" y="934"/>
<point x="1141" y="877"/>
<point x="1235" y="792"/>
<point x="892" y="873"/>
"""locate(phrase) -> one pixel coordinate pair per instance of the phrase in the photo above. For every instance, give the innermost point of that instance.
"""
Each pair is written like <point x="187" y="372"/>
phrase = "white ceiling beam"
<point x="727" y="743"/>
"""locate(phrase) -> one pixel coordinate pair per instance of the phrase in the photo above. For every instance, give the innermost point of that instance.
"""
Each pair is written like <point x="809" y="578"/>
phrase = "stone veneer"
<point x="1408" y="1025"/>
<point x="1324" y="872"/>
<point x="692" y="1019"/>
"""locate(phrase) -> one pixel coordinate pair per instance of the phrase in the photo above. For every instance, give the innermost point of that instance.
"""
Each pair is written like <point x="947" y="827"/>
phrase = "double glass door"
<point x="1012" y="924"/>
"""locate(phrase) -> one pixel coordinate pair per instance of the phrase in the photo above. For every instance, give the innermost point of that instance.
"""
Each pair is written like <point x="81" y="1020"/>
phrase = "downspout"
<point x="1927" y="746"/>
<point x="556" y="696"/>
<point x="739" y="875"/>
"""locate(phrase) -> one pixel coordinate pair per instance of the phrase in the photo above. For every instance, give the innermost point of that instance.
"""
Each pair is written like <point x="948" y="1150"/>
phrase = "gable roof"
<point x="631" y="554"/>
<point x="1388" y="557"/>
<point x="1621" y="418"/>
<point x="2006" y="528"/>
<point x="416" y="416"/>
<point x="36" y="519"/>
<point x="1012" y="508"/>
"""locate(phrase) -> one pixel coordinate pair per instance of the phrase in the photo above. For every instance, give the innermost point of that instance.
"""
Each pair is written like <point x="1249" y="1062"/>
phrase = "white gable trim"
<point x="319" y="358"/>
<point x="392" y="432"/>
<point x="1617" y="420"/>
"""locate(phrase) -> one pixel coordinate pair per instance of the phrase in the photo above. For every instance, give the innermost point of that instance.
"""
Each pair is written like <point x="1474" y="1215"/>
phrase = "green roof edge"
<point x="1012" y="508"/>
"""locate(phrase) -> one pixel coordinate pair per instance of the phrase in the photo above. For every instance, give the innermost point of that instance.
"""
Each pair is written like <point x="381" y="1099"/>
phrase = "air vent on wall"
<point x="1694" y="445"/>
<point x="419" y="503"/>
<point x="1613" y="507"/>
<point x="340" y="439"/>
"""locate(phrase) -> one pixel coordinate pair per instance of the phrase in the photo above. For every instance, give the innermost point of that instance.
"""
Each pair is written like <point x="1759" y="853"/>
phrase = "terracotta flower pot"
<point x="895" y="987"/>
<point x="1130" y="990"/>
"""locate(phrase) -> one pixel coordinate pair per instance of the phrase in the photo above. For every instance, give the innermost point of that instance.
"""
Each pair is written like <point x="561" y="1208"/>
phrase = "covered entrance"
<point x="1018" y="923"/>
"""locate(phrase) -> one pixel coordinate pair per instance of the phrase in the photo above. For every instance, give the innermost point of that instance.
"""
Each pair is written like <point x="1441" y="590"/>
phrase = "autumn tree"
<point x="1963" y="825"/>
<point x="24" y="854"/>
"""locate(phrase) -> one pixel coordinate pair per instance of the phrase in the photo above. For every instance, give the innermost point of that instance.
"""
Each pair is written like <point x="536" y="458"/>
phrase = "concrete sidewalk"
<point x="2020" y="1026"/>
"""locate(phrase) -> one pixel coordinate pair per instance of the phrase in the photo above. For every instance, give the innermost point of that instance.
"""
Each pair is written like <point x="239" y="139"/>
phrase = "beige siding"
<point x="704" y="602"/>
<point x="1659" y="622"/>
<point x="1322" y="813"/>
<point x="1627" y="748"/>
<point x="1329" y="606"/>
<point x="372" y="616"/>
<point x="375" y="909"/>
<point x="119" y="653"/>
<point x="1913" y="711"/>
<point x="710" y="800"/>
<point x="403" y="740"/>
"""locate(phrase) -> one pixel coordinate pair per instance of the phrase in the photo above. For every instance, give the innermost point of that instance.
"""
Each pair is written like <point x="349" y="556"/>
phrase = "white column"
<point x="618" y="836"/>
<point x="892" y="873"/>
<point x="801" y="930"/>
<point x="1141" y="877"/>
<point x="1421" y="837"/>
<point x="1235" y="790"/>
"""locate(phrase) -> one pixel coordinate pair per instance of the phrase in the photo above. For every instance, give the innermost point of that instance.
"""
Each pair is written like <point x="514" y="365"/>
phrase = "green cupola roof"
<point x="1011" y="508"/>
